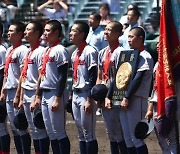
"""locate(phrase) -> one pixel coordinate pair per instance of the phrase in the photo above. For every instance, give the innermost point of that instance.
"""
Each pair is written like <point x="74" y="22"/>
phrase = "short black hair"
<point x="83" y="28"/>
<point x="56" y="25"/>
<point x="117" y="26"/>
<point x="20" y="26"/>
<point x="136" y="12"/>
<point x="1" y="29"/>
<point x="139" y="32"/>
<point x="134" y="6"/>
<point x="37" y="27"/>
<point x="96" y="16"/>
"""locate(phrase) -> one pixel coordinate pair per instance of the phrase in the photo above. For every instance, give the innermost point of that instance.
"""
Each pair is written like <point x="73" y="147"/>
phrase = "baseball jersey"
<point x="34" y="65"/>
<point x="57" y="57"/>
<point x="113" y="63"/>
<point x="145" y="64"/>
<point x="87" y="60"/>
<point x="53" y="14"/>
<point x="2" y="56"/>
<point x="16" y="63"/>
<point x="96" y="38"/>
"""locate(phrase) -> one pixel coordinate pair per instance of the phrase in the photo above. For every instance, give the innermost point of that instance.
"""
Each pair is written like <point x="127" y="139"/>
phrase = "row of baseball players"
<point x="36" y="77"/>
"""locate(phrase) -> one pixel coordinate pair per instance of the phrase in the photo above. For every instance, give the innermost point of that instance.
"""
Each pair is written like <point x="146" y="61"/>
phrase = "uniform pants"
<point x="11" y="111"/>
<point x="3" y="129"/>
<point x="129" y="119"/>
<point x="37" y="134"/>
<point x="113" y="125"/>
<point x="85" y="122"/>
<point x="54" y="121"/>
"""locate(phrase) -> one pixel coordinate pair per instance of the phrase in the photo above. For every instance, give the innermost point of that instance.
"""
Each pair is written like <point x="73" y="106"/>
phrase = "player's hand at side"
<point x="32" y="106"/>
<point x="108" y="103"/>
<point x="88" y="106"/>
<point x="16" y="101"/>
<point x="20" y="105"/>
<point x="37" y="102"/>
<point x="56" y="104"/>
<point x="124" y="104"/>
<point x="3" y="96"/>
<point x="149" y="113"/>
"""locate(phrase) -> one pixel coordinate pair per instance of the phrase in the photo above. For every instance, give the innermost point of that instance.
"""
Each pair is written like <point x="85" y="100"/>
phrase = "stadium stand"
<point x="80" y="10"/>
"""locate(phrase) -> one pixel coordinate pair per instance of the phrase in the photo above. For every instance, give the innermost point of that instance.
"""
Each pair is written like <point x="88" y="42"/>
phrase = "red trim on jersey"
<point x="107" y="60"/>
<point x="77" y="61"/>
<point x="46" y="57"/>
<point x="27" y="60"/>
<point x="9" y="57"/>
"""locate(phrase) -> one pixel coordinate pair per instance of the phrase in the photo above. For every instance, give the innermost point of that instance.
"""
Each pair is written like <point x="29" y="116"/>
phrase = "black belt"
<point x="76" y="90"/>
<point x="46" y="90"/>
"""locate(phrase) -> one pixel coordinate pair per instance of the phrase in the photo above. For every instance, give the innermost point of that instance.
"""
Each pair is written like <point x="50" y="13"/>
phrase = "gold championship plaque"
<point x="125" y="73"/>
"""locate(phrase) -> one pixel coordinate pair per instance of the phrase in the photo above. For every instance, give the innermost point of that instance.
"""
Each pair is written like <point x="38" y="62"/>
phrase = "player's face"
<point x="29" y="32"/>
<point x="12" y="33"/>
<point x="110" y="34"/>
<point x="49" y="34"/>
<point x="75" y="36"/>
<point x="134" y="41"/>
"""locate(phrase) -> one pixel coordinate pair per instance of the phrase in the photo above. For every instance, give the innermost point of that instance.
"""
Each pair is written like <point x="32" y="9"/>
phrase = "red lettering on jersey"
<point x="13" y="60"/>
<point x="51" y="59"/>
<point x="81" y="62"/>
<point x="31" y="61"/>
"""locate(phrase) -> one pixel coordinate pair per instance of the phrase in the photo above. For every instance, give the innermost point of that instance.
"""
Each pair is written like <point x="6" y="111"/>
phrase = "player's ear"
<point x="141" y="38"/>
<point x="57" y="33"/>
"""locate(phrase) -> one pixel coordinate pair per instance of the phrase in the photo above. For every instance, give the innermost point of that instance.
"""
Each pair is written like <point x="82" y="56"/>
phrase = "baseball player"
<point x="4" y="135"/>
<point x="52" y="88"/>
<point x="29" y="75"/>
<point x="84" y="64"/>
<point x="13" y="66"/>
<point x="134" y="104"/>
<point x="167" y="144"/>
<point x="107" y="66"/>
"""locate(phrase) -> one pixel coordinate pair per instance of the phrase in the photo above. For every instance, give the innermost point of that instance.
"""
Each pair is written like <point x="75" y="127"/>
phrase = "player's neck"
<point x="16" y="43"/>
<point x="111" y="44"/>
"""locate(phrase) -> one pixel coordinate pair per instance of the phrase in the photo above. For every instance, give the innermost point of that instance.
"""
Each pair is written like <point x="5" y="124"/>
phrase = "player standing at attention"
<point x="84" y="63"/>
<point x="52" y="85"/>
<point x="107" y="67"/>
<point x="4" y="135"/>
<point x="32" y="66"/>
<point x="134" y="104"/>
<point x="14" y="63"/>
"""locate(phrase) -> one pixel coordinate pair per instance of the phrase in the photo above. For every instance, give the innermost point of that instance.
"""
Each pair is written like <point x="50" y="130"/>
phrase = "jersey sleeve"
<point x="92" y="58"/>
<point x="39" y="58"/>
<point x="62" y="57"/>
<point x="100" y="59"/>
<point x="22" y="55"/>
<point x="145" y="62"/>
<point x="2" y="57"/>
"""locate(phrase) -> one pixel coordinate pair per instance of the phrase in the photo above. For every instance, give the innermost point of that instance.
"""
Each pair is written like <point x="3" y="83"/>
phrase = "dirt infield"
<point x="103" y="142"/>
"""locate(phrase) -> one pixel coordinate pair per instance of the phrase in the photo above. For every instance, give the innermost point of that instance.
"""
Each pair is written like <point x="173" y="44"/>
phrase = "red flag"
<point x="168" y="58"/>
